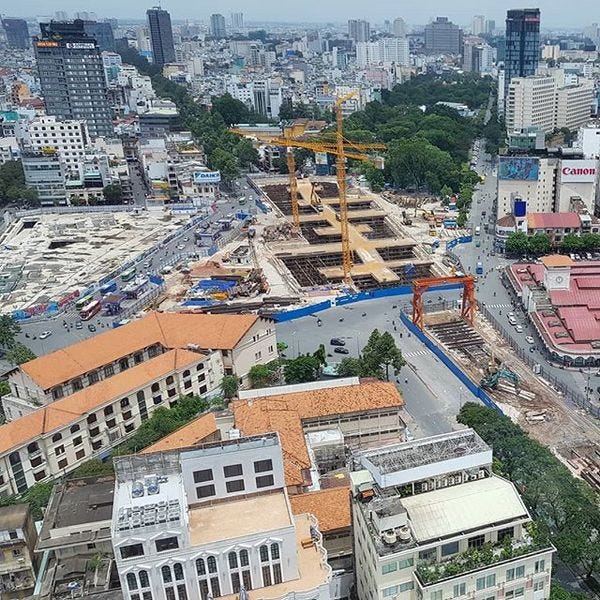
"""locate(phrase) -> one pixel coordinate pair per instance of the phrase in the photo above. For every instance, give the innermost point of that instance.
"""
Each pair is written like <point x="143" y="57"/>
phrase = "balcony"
<point x="475" y="559"/>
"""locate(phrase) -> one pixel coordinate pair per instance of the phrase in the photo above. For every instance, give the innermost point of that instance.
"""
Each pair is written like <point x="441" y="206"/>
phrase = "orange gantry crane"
<point x="342" y="149"/>
<point x="422" y="285"/>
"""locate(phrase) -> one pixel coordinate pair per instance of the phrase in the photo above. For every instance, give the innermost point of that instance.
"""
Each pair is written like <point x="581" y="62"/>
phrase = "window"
<point x="405" y="587"/>
<point x="538" y="585"/>
<point x="92" y="419"/>
<point x="480" y="583"/>
<point x="429" y="555"/>
<point x="124" y="402"/>
<point x="93" y="377"/>
<point x="390" y="591"/>
<point x="520" y="572"/>
<point x="169" y="380"/>
<point x="233" y="561"/>
<point x="260" y="466"/>
<point x="490" y="580"/>
<point x="94" y="431"/>
<point x="97" y="445"/>
<point x="111" y="423"/>
<point x="165" y="544"/>
<point x="187" y="384"/>
<point x="508" y="532"/>
<point x="77" y="385"/>
<point x="62" y="463"/>
<point x="437" y="595"/>
<point x="477" y="541"/>
<point x="109" y="370"/>
<point x="129" y="428"/>
<point x="124" y="364"/>
<point x="77" y="441"/>
<point x="186" y="373"/>
<point x="519" y="592"/>
<point x="39" y="475"/>
<point x="204" y="475"/>
<point x="57" y="437"/>
<point x="155" y="387"/>
<point x="208" y="579"/>
<point x="108" y="410"/>
<point x="389" y="568"/>
<point x="449" y="548"/>
<point x="132" y="583"/>
<point x="205" y="491"/>
<point x="460" y="589"/>
<point x="33" y="447"/>
<point x="264" y="481"/>
<point x="138" y="357"/>
<point x="264" y="554"/>
<point x="132" y="550"/>
<point x="510" y="574"/>
<point x="80" y="454"/>
<point x="539" y="566"/>
<point x="235" y="486"/>
<point x="59" y="450"/>
<point x="57" y="393"/>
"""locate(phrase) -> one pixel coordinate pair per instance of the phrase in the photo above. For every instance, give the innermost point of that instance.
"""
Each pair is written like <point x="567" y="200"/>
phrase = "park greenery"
<point x="520" y="244"/>
<point x="566" y="510"/>
<point x="14" y="351"/>
<point x="12" y="184"/>
<point x="225" y="151"/>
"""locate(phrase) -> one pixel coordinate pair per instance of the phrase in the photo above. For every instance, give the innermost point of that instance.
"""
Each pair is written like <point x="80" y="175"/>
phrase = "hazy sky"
<point x="555" y="13"/>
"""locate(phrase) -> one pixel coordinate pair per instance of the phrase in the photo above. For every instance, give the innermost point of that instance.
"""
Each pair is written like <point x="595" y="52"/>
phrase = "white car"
<point x="180" y="247"/>
<point x="45" y="334"/>
<point x="519" y="328"/>
<point x="510" y="314"/>
<point x="529" y="340"/>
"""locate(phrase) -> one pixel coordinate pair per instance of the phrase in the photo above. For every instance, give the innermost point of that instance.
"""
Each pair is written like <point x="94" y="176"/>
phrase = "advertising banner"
<point x="578" y="171"/>
<point x="511" y="168"/>
<point x="207" y="177"/>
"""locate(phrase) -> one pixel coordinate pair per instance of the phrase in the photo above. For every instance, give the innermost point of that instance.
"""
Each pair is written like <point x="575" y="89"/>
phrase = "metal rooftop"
<point x="438" y="448"/>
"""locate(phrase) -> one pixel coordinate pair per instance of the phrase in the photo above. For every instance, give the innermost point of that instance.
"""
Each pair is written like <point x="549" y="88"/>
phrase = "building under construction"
<point x="381" y="257"/>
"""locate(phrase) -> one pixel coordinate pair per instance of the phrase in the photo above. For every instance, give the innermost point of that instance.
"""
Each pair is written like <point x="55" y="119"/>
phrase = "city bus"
<point x="93" y="308"/>
<point x="129" y="274"/>
<point x="83" y="302"/>
<point x="479" y="268"/>
<point x="108" y="288"/>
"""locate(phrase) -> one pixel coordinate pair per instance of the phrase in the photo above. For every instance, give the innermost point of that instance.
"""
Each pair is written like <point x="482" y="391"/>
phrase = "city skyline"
<point x="552" y="13"/>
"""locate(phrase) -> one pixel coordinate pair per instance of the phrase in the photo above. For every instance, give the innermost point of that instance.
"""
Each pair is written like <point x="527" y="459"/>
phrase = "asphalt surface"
<point x="490" y="289"/>
<point x="433" y="395"/>
<point x="63" y="329"/>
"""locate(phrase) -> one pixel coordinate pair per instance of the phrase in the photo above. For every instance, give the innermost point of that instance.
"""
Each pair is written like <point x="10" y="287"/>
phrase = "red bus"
<point x="88" y="311"/>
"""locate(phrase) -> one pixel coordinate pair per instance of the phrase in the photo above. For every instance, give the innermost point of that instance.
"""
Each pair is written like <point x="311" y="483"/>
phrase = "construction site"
<point x="381" y="255"/>
<point x="529" y="400"/>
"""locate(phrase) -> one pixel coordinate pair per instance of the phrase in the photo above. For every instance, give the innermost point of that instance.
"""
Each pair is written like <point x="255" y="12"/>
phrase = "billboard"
<point x="513" y="168"/>
<point x="578" y="171"/>
<point x="207" y="177"/>
<point x="321" y="158"/>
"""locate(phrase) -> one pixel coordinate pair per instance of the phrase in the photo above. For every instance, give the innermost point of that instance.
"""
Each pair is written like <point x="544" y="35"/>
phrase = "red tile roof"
<point x="553" y="220"/>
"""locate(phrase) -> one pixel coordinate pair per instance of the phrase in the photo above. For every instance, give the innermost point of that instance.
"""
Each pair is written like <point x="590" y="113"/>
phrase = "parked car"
<point x="529" y="340"/>
<point x="79" y="325"/>
<point x="519" y="328"/>
<point x="45" y="334"/>
<point x="92" y="327"/>
<point x="341" y="350"/>
<point x="337" y="342"/>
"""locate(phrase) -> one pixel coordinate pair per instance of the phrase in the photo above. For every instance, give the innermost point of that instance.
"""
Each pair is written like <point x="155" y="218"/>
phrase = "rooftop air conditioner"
<point x="404" y="534"/>
<point x="389" y="537"/>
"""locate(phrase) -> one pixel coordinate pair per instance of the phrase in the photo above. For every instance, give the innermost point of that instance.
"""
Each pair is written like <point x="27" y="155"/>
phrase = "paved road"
<point x="490" y="288"/>
<point x="433" y="395"/>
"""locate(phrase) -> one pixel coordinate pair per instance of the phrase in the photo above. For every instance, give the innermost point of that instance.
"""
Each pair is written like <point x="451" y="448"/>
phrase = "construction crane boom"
<point x="342" y="149"/>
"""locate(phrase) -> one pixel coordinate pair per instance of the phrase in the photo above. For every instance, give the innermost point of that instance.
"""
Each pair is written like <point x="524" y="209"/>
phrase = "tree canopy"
<point x="12" y="184"/>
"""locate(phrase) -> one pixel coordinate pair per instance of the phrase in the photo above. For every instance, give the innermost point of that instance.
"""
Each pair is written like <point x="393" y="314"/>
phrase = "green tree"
<point x="590" y="241"/>
<point x="246" y="153"/>
<point x="446" y="192"/>
<point x="38" y="496"/>
<point x="260" y="376"/>
<point x="557" y="592"/>
<point x="381" y="353"/>
<point x="571" y="243"/>
<point x="9" y="329"/>
<point x="517" y="243"/>
<point x="231" y="110"/>
<point x="302" y="369"/>
<point x="374" y="176"/>
<point x="349" y="367"/>
<point x="539" y="244"/>
<point x="225" y="162"/>
<point x="230" y="386"/>
<point x="113" y="193"/>
<point x="12" y="184"/>
<point x="19" y="354"/>
<point x="93" y="468"/>
<point x="461" y="220"/>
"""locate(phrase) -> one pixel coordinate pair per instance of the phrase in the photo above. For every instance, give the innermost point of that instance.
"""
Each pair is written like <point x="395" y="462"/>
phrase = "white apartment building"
<point x="432" y="522"/>
<point x="212" y="521"/>
<point x="9" y="149"/>
<point x="546" y="184"/>
<point x="545" y="102"/>
<point x="383" y="51"/>
<point x="588" y="140"/>
<point x="67" y="137"/>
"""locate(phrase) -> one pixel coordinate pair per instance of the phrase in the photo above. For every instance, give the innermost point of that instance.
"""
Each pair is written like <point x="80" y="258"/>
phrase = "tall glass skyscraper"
<point x="522" y="44"/>
<point x="72" y="75"/>
<point x="17" y="33"/>
<point x="161" y="36"/>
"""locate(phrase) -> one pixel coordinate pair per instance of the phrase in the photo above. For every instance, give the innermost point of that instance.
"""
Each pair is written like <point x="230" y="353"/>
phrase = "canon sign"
<point x="579" y="171"/>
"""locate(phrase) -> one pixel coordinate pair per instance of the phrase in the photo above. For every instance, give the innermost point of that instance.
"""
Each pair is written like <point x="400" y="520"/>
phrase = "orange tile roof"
<point x="283" y="413"/>
<point x="62" y="412"/>
<point x="262" y="417"/>
<point x="556" y="260"/>
<point x="172" y="330"/>
<point x="195" y="432"/>
<point x="331" y="507"/>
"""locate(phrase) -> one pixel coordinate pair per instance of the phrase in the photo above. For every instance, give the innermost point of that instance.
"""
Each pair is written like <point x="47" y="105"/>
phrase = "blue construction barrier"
<point x="290" y="315"/>
<point x="465" y="239"/>
<point x="475" y="389"/>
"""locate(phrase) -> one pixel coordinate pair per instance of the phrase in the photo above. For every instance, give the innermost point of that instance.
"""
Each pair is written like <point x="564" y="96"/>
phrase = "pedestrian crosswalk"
<point x="498" y="305"/>
<point x="415" y="353"/>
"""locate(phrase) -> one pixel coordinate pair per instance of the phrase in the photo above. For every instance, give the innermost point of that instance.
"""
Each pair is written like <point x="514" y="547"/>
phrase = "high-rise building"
<point x="478" y="25"/>
<point x="45" y="173"/>
<point x="490" y="27"/>
<point x="443" y="36"/>
<point x="72" y="75"/>
<point x="17" y="33"/>
<point x="359" y="30"/>
<point x="478" y="56"/>
<point x="102" y="32"/>
<point x="237" y="20"/>
<point x="522" y="44"/>
<point x="386" y="50"/>
<point x="399" y="27"/>
<point x="161" y="36"/>
<point x="217" y="26"/>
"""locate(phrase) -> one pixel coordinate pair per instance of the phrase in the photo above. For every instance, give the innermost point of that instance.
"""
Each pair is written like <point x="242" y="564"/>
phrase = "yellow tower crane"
<point x="342" y="149"/>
